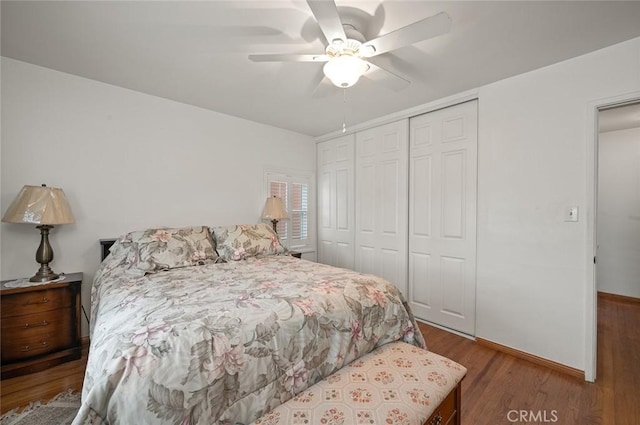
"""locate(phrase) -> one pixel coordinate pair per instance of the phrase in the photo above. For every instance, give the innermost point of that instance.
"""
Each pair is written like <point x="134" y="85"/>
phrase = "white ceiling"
<point x="196" y="52"/>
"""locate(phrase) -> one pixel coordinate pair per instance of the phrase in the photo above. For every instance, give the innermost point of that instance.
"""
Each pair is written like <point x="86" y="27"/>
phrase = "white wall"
<point x="126" y="161"/>
<point x="619" y="212"/>
<point x="534" y="131"/>
<point x="535" y="159"/>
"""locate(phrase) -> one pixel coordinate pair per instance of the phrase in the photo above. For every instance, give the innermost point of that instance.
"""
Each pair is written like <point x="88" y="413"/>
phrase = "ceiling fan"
<point x="347" y="53"/>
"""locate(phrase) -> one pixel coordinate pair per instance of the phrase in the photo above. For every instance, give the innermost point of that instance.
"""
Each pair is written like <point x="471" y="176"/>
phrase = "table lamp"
<point x="45" y="206"/>
<point x="274" y="211"/>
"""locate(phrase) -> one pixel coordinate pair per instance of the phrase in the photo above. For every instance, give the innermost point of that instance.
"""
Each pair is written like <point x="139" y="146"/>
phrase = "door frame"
<point x="591" y="290"/>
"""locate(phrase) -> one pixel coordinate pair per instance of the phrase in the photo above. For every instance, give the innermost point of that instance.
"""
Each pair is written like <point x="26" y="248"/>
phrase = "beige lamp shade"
<point x="274" y="209"/>
<point x="39" y="205"/>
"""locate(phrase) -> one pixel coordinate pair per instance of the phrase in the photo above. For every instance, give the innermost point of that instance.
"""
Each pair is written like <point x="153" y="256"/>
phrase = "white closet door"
<point x="382" y="201"/>
<point x="336" y="202"/>
<point x="442" y="216"/>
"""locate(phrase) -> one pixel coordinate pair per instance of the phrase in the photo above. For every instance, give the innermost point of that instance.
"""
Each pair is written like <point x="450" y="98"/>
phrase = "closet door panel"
<point x="343" y="195"/>
<point x="392" y="264"/>
<point x="366" y="258"/>
<point x="452" y="275"/>
<point x="419" y="267"/>
<point x="335" y="162"/>
<point x="382" y="202"/>
<point x="390" y="192"/>
<point x="367" y="189"/>
<point x="342" y="255"/>
<point x="453" y="194"/>
<point x="326" y="251"/>
<point x="442" y="216"/>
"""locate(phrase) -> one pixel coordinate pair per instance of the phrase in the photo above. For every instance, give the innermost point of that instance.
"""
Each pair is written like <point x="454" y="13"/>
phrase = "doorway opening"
<point x="618" y="201"/>
<point x="615" y="223"/>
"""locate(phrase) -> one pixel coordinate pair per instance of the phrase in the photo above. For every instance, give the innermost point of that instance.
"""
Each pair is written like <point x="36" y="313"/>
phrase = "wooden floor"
<point x="496" y="383"/>
<point x="42" y="386"/>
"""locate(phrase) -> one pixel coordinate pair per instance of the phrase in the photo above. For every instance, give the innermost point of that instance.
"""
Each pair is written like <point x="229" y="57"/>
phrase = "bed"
<point x="185" y="334"/>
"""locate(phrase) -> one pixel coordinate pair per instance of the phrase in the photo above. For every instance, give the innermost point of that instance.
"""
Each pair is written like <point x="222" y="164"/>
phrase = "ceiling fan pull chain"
<point x="344" y="110"/>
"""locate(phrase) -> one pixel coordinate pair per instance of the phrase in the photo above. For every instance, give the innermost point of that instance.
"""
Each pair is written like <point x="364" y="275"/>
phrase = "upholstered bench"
<point x="397" y="383"/>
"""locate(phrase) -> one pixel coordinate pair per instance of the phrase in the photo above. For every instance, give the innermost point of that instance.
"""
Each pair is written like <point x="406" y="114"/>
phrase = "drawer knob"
<point x="44" y="300"/>
<point x="29" y="348"/>
<point x="437" y="420"/>
<point x="35" y="325"/>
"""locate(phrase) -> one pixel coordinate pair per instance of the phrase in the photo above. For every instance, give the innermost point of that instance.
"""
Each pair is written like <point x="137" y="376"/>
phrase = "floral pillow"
<point x="247" y="240"/>
<point x="152" y="250"/>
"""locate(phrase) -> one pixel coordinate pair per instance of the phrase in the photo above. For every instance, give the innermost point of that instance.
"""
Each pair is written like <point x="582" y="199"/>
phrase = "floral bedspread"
<point x="224" y="343"/>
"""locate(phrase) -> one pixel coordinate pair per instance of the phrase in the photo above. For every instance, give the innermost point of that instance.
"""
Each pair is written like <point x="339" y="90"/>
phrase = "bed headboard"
<point x="105" y="246"/>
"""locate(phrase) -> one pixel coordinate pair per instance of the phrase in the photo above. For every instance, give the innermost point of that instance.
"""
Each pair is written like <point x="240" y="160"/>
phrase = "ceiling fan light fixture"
<point x="345" y="70"/>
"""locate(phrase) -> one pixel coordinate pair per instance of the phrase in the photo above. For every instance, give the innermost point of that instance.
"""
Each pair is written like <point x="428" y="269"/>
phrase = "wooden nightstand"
<point x="40" y="325"/>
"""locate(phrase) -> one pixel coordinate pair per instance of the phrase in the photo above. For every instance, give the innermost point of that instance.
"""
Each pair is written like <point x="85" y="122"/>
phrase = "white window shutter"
<point x="295" y="193"/>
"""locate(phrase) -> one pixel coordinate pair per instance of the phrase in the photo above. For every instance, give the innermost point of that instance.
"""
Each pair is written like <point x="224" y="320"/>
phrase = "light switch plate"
<point x="571" y="214"/>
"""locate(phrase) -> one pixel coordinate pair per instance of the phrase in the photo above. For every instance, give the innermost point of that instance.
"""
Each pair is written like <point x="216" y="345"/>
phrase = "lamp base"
<point x="44" y="255"/>
<point x="41" y="276"/>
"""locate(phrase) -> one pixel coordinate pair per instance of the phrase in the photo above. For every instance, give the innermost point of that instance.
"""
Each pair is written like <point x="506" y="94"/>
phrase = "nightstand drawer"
<point x="36" y="301"/>
<point x="40" y="325"/>
<point x="27" y="336"/>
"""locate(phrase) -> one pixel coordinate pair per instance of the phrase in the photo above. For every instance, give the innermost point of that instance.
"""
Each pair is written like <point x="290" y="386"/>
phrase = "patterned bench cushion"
<point x="397" y="383"/>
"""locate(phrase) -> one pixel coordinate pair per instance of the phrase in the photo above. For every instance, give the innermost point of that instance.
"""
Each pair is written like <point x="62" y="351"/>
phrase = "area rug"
<point x="59" y="411"/>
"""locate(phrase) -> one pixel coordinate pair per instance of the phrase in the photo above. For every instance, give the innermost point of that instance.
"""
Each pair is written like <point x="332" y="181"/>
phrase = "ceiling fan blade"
<point x="326" y="13"/>
<point x="221" y="31"/>
<point x="424" y="29"/>
<point x="289" y="58"/>
<point x="385" y="77"/>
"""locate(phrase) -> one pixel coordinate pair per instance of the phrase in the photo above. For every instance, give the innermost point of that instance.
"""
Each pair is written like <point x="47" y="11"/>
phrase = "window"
<point x="295" y="191"/>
